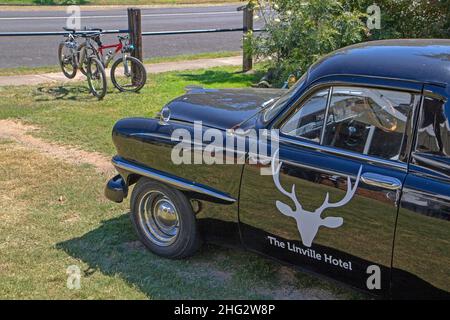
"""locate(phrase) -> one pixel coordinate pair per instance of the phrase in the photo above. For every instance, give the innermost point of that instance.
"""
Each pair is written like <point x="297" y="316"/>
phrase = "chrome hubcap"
<point x="158" y="217"/>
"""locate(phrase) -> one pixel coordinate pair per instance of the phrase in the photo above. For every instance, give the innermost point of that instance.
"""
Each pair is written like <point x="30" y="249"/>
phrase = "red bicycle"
<point x="127" y="72"/>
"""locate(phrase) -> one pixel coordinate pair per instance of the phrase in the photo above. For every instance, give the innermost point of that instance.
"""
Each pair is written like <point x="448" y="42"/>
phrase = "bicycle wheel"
<point x="67" y="61"/>
<point x="82" y="61"/>
<point x="96" y="77"/>
<point x="129" y="75"/>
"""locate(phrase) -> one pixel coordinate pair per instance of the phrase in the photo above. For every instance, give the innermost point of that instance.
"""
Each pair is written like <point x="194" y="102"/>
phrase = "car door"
<point x="421" y="263"/>
<point x="331" y="203"/>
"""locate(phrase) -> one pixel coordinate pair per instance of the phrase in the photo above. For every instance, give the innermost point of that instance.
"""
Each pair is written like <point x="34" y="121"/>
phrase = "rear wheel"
<point x="164" y="220"/>
<point x="128" y="74"/>
<point x="96" y="77"/>
<point x="67" y="61"/>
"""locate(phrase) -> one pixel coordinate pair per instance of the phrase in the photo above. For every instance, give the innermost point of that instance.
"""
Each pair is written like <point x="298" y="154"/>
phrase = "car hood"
<point x="222" y="109"/>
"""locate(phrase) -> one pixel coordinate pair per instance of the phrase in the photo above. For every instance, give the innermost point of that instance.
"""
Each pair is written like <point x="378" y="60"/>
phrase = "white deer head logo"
<point x="308" y="222"/>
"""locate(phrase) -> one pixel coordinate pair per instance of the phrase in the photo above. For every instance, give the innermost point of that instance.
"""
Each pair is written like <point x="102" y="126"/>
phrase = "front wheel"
<point x="96" y="77"/>
<point x="128" y="74"/>
<point x="164" y="220"/>
<point x="67" y="61"/>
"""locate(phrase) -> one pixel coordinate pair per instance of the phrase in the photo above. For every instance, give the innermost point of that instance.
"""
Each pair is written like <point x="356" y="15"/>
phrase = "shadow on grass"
<point x="212" y="273"/>
<point x="74" y="93"/>
<point x="211" y="77"/>
<point x="114" y="250"/>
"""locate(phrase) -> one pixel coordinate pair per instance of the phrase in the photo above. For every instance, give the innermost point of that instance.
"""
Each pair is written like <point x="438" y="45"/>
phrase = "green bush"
<point x="410" y="19"/>
<point x="301" y="31"/>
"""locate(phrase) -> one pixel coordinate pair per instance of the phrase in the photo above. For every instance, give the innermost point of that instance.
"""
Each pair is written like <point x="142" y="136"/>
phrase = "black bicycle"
<point x="93" y="66"/>
<point x="68" y="54"/>
<point x="70" y="60"/>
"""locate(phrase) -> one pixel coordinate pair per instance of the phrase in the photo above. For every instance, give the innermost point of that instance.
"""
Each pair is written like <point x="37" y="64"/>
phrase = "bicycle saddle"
<point x="69" y="30"/>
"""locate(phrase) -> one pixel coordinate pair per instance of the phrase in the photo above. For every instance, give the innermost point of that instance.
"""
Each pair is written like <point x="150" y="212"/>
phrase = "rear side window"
<point x="432" y="148"/>
<point x="433" y="134"/>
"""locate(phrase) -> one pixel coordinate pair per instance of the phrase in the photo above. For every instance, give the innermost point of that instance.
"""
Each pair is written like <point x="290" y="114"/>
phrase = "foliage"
<point x="409" y="19"/>
<point x="301" y="31"/>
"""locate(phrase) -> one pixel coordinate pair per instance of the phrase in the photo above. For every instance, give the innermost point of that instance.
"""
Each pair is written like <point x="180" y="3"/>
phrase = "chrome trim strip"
<point x="327" y="110"/>
<point x="152" y="174"/>
<point x="338" y="152"/>
<point x="381" y="181"/>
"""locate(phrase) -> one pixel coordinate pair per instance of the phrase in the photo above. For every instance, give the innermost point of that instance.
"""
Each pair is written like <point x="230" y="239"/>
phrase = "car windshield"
<point x="277" y="105"/>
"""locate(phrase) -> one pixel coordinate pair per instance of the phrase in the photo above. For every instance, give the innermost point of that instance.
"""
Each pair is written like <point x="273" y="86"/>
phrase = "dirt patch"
<point x="19" y="132"/>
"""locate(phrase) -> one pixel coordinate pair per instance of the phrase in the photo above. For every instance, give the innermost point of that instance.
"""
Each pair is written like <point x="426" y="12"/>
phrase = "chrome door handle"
<point x="381" y="181"/>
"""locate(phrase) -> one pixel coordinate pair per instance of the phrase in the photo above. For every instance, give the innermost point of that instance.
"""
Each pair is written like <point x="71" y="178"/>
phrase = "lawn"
<point x="68" y="114"/>
<point x="53" y="214"/>
<point x="182" y="57"/>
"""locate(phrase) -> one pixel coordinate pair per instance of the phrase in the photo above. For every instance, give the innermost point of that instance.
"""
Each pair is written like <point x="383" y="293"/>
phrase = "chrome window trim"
<point x="331" y="150"/>
<point x="327" y="82"/>
<point x="327" y="108"/>
<point x="343" y="153"/>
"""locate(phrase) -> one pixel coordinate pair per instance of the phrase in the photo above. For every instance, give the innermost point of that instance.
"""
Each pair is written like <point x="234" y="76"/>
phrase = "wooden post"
<point x="247" y="63"/>
<point x="135" y="32"/>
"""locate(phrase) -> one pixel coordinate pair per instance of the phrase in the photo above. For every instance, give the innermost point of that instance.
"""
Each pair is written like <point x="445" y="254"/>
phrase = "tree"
<point x="409" y="18"/>
<point x="301" y="31"/>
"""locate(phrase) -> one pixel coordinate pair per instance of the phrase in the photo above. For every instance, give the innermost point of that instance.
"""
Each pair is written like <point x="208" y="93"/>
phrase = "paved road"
<point x="41" y="51"/>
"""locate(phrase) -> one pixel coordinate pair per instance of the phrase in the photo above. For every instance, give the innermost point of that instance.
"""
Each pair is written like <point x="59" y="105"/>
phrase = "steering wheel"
<point x="354" y="134"/>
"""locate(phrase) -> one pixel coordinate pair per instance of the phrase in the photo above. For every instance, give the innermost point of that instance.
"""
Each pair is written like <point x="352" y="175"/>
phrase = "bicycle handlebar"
<point x="91" y="34"/>
<point x="93" y="29"/>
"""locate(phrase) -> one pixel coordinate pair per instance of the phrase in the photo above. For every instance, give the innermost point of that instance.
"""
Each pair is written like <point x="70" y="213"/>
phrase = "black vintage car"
<point x="359" y="183"/>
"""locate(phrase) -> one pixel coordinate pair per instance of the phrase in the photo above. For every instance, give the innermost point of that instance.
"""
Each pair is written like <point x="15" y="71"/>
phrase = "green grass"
<point x="68" y="114"/>
<point x="28" y="70"/>
<point x="184" y="57"/>
<point x="54" y="215"/>
<point x="112" y="2"/>
<point x="42" y="236"/>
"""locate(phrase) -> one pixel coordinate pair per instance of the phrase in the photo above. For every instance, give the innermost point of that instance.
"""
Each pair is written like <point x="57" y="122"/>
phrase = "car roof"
<point x="425" y="61"/>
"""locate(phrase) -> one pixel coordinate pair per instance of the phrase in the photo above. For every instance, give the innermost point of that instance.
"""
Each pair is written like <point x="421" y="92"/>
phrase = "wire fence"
<point x="118" y="31"/>
<point x="247" y="26"/>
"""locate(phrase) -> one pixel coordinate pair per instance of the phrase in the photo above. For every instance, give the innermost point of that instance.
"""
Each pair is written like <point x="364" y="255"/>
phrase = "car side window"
<point x="432" y="148"/>
<point x="369" y="121"/>
<point x="433" y="134"/>
<point x="307" y="122"/>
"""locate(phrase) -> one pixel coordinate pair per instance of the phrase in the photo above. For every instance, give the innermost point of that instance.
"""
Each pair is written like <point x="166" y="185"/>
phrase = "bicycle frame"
<point x="118" y="46"/>
<point x="99" y="52"/>
<point x="71" y="43"/>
